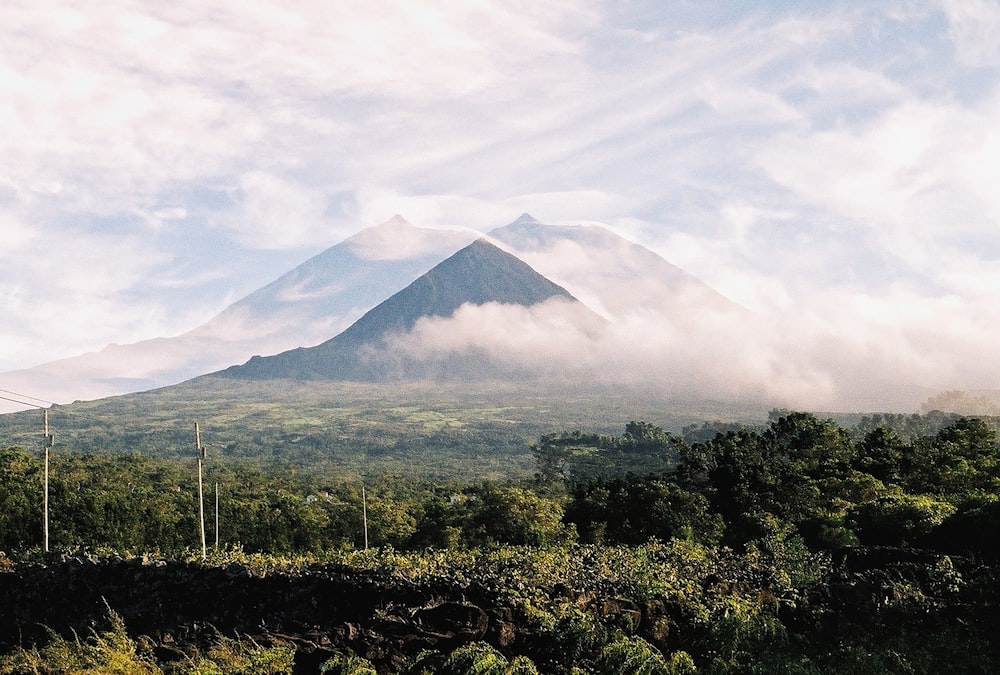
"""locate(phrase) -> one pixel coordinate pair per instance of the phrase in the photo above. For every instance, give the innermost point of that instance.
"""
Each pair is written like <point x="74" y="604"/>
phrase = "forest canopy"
<point x="929" y="481"/>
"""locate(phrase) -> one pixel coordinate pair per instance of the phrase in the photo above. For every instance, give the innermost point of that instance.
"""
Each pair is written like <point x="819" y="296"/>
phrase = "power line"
<point x="27" y="397"/>
<point x="14" y="400"/>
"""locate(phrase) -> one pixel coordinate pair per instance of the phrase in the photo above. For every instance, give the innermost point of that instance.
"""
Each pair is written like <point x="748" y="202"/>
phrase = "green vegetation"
<point x="114" y="652"/>
<point x="727" y="549"/>
<point x="433" y="430"/>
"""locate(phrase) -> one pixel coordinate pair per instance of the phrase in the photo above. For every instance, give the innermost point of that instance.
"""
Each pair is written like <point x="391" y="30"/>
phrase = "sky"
<point x="833" y="167"/>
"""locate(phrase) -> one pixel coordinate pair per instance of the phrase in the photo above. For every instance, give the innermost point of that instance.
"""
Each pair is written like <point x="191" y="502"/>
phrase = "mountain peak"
<point x="478" y="274"/>
<point x="396" y="221"/>
<point x="524" y="219"/>
<point x="398" y="239"/>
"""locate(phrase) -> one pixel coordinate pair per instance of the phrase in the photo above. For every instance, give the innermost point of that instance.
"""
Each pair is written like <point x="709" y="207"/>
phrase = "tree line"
<point x="798" y="475"/>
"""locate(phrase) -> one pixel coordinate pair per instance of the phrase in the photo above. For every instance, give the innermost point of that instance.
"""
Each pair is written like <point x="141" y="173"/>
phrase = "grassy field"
<point x="428" y="429"/>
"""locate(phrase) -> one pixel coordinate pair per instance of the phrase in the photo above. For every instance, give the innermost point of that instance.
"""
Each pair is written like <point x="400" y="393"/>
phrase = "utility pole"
<point x="200" y="449"/>
<point x="364" y="513"/>
<point x="216" y="515"/>
<point x="47" y="443"/>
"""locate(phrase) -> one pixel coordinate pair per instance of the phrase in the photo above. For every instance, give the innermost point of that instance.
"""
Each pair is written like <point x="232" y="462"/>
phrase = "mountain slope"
<point x="477" y="275"/>
<point x="328" y="292"/>
<point x="305" y="306"/>
<point x="607" y="272"/>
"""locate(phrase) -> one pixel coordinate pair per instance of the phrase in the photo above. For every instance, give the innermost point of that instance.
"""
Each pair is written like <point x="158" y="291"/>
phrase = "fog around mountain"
<point x="829" y="167"/>
<point x="479" y="275"/>
<point x="304" y="306"/>
<point x="636" y="321"/>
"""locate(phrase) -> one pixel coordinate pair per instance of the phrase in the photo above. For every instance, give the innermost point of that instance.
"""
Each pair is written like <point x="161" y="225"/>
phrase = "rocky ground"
<point x="323" y="609"/>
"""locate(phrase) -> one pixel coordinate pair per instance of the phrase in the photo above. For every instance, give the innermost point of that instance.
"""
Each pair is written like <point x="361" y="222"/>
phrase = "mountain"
<point x="610" y="274"/>
<point x="478" y="275"/>
<point x="328" y="292"/>
<point x="616" y="278"/>
<point x="305" y="306"/>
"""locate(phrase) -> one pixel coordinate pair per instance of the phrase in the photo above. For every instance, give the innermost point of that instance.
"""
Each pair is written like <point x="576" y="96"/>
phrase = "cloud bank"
<point x="847" y="360"/>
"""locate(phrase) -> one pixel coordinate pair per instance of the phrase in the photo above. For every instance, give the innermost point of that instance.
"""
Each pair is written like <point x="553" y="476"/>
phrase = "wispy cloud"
<point x="794" y="157"/>
<point x="973" y="26"/>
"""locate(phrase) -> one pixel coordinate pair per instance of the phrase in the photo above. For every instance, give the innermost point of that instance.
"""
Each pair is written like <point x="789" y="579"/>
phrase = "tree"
<point x="972" y="529"/>
<point x="20" y="499"/>
<point x="817" y="448"/>
<point x="960" y="460"/>
<point x="898" y="520"/>
<point x="513" y="515"/>
<point x="643" y="448"/>
<point x="633" y="510"/>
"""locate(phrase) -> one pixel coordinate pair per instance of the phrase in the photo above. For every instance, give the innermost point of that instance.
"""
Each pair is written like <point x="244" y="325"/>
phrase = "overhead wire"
<point x="25" y="399"/>
<point x="19" y="402"/>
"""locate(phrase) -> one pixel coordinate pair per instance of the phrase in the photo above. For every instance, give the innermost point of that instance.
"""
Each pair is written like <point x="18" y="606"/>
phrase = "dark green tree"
<point x="20" y="499"/>
<point x="513" y="515"/>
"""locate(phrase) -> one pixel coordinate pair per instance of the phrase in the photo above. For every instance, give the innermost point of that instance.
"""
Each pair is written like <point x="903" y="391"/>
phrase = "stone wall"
<point x="321" y="609"/>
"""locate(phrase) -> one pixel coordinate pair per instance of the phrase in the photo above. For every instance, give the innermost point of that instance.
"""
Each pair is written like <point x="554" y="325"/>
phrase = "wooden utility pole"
<point x="47" y="443"/>
<point x="200" y="449"/>
<point x="364" y="513"/>
<point x="216" y="515"/>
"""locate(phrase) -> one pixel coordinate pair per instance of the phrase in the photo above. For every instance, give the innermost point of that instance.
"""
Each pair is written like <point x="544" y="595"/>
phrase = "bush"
<point x="635" y="656"/>
<point x="898" y="520"/>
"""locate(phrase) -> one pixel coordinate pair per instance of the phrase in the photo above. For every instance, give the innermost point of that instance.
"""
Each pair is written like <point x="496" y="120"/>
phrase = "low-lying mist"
<point x="837" y="359"/>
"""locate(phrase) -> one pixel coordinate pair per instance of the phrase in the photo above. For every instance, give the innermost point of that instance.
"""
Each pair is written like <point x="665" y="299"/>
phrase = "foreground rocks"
<point x="326" y="609"/>
<point x="322" y="608"/>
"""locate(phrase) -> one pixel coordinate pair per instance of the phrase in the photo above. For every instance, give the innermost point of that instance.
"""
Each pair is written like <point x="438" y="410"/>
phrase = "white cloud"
<point x="973" y="26"/>
<point x="68" y="293"/>
<point x="373" y="205"/>
<point x="277" y="213"/>
<point x="852" y="353"/>
<point x="913" y="184"/>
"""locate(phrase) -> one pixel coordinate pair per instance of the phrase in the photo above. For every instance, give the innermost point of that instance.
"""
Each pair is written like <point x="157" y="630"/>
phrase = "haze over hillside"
<point x="318" y="299"/>
<point x="304" y="306"/>
<point x="829" y="167"/>
<point x="386" y="342"/>
<point x="666" y="332"/>
<point x="608" y="273"/>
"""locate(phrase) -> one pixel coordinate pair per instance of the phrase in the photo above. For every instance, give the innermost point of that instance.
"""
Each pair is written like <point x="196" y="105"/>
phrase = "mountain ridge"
<point x="639" y="280"/>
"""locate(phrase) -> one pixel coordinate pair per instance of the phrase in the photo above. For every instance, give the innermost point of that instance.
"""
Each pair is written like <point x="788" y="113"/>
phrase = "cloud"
<point x="84" y="290"/>
<point x="554" y="341"/>
<point x="374" y="204"/>
<point x="912" y="189"/>
<point x="193" y="93"/>
<point x="277" y="213"/>
<point x="792" y="158"/>
<point x="973" y="26"/>
<point x="448" y="211"/>
<point x="855" y="353"/>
